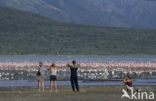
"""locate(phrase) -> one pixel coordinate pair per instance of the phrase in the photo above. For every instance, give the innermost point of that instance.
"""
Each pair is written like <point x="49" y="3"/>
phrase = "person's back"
<point x="53" y="71"/>
<point x="53" y="77"/>
<point x="130" y="84"/>
<point x="42" y="70"/>
<point x="74" y="79"/>
<point x="74" y="69"/>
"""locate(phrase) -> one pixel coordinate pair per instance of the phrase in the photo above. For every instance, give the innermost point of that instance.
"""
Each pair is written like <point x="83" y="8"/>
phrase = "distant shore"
<point x="107" y="55"/>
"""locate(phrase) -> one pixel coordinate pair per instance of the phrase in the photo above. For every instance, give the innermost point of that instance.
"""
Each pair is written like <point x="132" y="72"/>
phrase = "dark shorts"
<point x="53" y="77"/>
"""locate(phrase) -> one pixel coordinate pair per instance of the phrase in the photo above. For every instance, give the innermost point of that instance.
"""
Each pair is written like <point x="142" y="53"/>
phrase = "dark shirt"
<point x="73" y="71"/>
<point x="129" y="84"/>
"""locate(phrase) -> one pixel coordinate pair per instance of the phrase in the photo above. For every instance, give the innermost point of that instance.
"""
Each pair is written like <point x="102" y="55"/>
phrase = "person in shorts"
<point x="41" y="70"/>
<point x="53" y="77"/>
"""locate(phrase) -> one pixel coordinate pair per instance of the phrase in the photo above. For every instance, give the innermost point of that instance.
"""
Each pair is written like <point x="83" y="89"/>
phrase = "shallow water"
<point x="80" y="59"/>
<point x="10" y="83"/>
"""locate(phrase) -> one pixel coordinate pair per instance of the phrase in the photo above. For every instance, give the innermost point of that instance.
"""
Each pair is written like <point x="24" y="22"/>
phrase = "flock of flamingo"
<point x="88" y="70"/>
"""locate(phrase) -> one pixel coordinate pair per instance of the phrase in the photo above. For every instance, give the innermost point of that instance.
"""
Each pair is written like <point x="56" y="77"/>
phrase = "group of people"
<point x="73" y="78"/>
<point x="53" y="75"/>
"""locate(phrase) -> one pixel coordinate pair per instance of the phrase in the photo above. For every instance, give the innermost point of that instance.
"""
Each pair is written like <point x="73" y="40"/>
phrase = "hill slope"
<point x="24" y="33"/>
<point x="119" y="13"/>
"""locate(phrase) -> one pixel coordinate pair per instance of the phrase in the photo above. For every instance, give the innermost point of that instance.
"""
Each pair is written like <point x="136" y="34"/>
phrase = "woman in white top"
<point x="53" y="73"/>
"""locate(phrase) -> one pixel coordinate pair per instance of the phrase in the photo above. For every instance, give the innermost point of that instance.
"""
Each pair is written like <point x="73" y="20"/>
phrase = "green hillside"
<point x="25" y="33"/>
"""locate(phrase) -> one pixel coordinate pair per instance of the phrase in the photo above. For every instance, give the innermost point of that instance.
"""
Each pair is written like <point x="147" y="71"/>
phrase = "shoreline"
<point x="33" y="83"/>
<point x="90" y="93"/>
<point x="14" y="88"/>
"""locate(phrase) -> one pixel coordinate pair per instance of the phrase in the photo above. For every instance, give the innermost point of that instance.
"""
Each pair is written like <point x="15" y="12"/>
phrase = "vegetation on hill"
<point x="25" y="33"/>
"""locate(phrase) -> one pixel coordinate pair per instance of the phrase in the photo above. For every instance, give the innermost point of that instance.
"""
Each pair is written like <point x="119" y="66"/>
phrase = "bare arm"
<point x="38" y="68"/>
<point x="68" y="65"/>
<point x="124" y="80"/>
<point x="128" y="80"/>
<point x="78" y="65"/>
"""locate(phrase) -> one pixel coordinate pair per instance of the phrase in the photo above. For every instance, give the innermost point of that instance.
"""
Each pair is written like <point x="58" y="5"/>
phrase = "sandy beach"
<point x="94" y="93"/>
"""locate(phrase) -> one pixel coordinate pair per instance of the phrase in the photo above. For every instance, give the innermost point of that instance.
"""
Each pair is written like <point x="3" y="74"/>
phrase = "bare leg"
<point x="39" y="85"/>
<point x="56" y="86"/>
<point x="43" y="85"/>
<point x="51" y="85"/>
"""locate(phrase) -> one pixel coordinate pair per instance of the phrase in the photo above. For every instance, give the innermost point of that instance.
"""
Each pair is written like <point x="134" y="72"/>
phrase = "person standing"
<point x="41" y="74"/>
<point x="73" y="78"/>
<point x="53" y="77"/>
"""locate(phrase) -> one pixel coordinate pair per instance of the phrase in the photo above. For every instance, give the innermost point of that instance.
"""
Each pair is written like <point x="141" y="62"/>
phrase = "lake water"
<point x="12" y="83"/>
<point x="151" y="81"/>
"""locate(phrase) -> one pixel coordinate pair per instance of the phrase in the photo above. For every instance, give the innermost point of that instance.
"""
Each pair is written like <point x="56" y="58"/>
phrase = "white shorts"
<point x="129" y="88"/>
